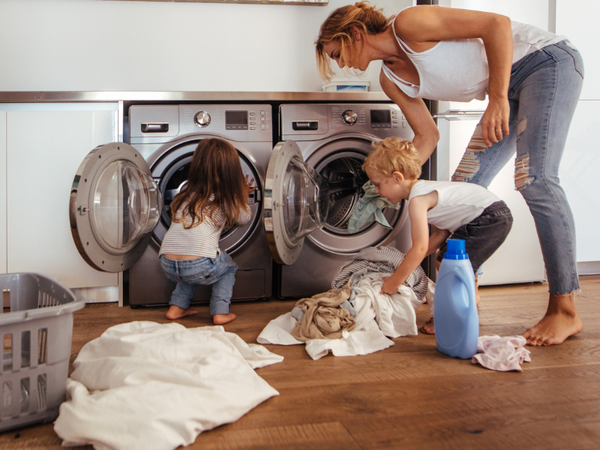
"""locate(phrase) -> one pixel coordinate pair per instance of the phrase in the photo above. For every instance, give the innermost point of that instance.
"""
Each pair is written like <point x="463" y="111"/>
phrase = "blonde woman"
<point x="532" y="80"/>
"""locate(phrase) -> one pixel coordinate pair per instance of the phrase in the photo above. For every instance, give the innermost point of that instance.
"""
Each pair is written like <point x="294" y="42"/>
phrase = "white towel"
<point x="156" y="387"/>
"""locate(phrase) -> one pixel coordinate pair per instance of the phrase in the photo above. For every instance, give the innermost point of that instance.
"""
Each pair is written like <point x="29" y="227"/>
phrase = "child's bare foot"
<point x="221" y="319"/>
<point x="175" y="312"/>
<point x="560" y="322"/>
<point x="428" y="327"/>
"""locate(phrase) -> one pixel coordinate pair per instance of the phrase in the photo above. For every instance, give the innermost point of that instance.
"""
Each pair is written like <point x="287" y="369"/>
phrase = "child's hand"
<point x="389" y="286"/>
<point x="249" y="185"/>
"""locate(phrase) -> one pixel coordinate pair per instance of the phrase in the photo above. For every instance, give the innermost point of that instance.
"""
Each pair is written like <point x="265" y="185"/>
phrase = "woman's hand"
<point x="494" y="124"/>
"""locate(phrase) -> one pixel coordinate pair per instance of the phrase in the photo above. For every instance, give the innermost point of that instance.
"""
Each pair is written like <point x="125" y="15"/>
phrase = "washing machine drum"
<point x="345" y="178"/>
<point x="173" y="175"/>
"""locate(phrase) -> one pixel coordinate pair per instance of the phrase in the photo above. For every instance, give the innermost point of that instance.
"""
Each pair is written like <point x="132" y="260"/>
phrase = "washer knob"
<point x="349" y="117"/>
<point x="202" y="119"/>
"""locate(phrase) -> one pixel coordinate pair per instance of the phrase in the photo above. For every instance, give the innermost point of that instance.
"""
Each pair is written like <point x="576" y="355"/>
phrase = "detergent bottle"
<point x="455" y="315"/>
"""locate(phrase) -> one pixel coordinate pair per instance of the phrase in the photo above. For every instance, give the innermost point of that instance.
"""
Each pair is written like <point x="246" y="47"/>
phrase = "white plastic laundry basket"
<point x="36" y="336"/>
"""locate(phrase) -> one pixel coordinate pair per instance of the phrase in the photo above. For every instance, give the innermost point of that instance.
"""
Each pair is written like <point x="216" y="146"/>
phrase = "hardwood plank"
<point x="408" y="396"/>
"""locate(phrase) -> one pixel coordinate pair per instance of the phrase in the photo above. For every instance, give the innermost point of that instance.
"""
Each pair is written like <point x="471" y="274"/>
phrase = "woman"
<point x="532" y="80"/>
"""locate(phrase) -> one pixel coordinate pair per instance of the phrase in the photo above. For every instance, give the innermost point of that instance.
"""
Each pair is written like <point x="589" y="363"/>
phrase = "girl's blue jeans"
<point x="543" y="93"/>
<point x="219" y="271"/>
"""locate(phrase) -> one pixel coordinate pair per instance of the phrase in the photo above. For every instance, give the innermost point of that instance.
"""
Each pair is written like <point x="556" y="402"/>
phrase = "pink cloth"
<point x="501" y="353"/>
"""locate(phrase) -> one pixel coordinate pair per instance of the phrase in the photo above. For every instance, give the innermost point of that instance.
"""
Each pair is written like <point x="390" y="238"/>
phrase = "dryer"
<point x="333" y="140"/>
<point x="129" y="187"/>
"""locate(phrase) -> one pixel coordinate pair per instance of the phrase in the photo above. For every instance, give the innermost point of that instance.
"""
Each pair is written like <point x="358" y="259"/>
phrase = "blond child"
<point x="462" y="210"/>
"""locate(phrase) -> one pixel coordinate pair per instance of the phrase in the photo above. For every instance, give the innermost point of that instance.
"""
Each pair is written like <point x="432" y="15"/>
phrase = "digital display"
<point x="381" y="116"/>
<point x="237" y="118"/>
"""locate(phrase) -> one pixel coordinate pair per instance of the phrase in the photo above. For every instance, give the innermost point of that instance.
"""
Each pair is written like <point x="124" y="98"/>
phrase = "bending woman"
<point x="532" y="79"/>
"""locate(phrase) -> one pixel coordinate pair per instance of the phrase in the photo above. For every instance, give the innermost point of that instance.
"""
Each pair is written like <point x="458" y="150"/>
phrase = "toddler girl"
<point x="214" y="197"/>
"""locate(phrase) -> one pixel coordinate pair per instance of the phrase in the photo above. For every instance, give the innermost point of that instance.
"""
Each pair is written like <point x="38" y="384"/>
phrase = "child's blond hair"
<point x="394" y="154"/>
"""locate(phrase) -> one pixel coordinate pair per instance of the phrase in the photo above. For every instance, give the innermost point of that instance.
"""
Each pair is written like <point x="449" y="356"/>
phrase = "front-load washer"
<point x="313" y="242"/>
<point x="129" y="188"/>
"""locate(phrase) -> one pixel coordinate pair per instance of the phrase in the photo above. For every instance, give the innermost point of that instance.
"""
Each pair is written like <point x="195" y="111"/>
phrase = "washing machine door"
<point x="115" y="204"/>
<point x="296" y="202"/>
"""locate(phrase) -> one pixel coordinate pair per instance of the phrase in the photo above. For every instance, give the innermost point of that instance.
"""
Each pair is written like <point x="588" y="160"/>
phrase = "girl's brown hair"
<point x="215" y="182"/>
<point x="394" y="154"/>
<point x="337" y="27"/>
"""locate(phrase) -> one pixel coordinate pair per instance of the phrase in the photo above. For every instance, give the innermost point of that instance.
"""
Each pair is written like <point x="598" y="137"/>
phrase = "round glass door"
<point x="115" y="204"/>
<point x="297" y="202"/>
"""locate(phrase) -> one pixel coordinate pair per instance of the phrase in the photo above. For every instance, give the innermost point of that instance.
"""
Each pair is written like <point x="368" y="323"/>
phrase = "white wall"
<point x="92" y="45"/>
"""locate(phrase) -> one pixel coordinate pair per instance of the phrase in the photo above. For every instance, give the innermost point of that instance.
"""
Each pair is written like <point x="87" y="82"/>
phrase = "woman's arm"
<point x="421" y="27"/>
<point x="417" y="115"/>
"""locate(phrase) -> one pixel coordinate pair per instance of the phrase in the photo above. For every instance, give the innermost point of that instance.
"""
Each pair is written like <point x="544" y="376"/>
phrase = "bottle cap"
<point x="455" y="249"/>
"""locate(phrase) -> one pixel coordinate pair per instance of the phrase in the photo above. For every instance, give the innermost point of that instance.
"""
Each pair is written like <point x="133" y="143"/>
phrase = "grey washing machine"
<point x="121" y="212"/>
<point x="313" y="185"/>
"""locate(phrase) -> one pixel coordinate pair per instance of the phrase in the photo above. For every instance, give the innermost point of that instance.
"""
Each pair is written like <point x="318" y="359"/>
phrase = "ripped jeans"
<point x="543" y="93"/>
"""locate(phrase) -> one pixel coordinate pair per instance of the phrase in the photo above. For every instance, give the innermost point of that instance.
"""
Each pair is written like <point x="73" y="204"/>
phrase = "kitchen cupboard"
<point x="3" y="236"/>
<point x="43" y="145"/>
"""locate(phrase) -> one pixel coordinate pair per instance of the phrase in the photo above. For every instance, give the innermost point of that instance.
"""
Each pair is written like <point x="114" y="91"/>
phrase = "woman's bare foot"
<point x="428" y="327"/>
<point x="221" y="319"/>
<point x="560" y="322"/>
<point x="175" y="312"/>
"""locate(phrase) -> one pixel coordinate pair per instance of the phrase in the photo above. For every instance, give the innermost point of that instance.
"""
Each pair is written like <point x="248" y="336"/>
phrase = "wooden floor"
<point x="408" y="396"/>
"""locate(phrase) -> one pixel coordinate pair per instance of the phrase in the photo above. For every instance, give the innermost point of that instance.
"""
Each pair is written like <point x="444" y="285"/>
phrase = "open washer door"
<point x="296" y="202"/>
<point x="115" y="204"/>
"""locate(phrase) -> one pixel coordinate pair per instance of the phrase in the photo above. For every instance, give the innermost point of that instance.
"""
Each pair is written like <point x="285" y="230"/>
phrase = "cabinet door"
<point x="3" y="237"/>
<point x="44" y="150"/>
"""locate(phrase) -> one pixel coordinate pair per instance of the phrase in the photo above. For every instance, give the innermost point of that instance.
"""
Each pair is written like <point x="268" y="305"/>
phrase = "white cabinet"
<point x="44" y="146"/>
<point x="3" y="235"/>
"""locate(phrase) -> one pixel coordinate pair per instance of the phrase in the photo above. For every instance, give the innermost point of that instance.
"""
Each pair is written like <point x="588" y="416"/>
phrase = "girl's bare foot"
<point x="221" y="319"/>
<point x="175" y="312"/>
<point x="560" y="322"/>
<point x="428" y="327"/>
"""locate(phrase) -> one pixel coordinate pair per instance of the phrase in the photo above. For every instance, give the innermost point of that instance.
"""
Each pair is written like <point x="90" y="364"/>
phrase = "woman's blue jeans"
<point x="219" y="271"/>
<point x="543" y="93"/>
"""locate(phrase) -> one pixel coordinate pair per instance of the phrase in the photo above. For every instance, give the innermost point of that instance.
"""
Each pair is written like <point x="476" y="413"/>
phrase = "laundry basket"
<point x="36" y="336"/>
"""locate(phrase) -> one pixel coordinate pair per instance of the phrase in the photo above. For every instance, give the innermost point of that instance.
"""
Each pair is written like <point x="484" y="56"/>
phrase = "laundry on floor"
<point x="158" y="386"/>
<point x="356" y="294"/>
<point x="502" y="353"/>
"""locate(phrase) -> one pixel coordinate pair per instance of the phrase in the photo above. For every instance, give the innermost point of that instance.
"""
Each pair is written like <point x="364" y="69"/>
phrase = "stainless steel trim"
<point x="183" y="96"/>
<point x="459" y="114"/>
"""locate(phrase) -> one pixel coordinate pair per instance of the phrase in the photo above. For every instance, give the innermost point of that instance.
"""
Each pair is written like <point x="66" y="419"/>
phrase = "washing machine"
<point x="314" y="183"/>
<point x="121" y="196"/>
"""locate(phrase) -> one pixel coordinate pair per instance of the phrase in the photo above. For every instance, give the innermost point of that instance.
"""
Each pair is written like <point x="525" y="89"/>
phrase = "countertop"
<point x="187" y="96"/>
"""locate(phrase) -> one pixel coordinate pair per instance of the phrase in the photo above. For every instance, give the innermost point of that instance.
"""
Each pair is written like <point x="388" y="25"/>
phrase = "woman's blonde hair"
<point x="215" y="183"/>
<point x="337" y="27"/>
<point x="394" y="154"/>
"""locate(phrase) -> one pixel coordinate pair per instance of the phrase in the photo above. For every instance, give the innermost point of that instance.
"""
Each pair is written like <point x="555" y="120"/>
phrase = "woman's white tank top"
<point x="457" y="70"/>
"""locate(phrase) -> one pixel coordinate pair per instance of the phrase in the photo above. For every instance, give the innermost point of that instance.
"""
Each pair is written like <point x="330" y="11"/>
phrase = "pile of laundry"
<point x="354" y="317"/>
<point x="157" y="386"/>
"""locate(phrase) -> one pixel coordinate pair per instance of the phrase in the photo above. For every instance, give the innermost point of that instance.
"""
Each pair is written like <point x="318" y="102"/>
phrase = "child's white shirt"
<point x="458" y="202"/>
<point x="201" y="240"/>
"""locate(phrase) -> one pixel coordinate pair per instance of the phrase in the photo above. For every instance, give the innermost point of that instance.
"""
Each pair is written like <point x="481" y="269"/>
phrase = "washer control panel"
<point x="162" y="123"/>
<point x="306" y="121"/>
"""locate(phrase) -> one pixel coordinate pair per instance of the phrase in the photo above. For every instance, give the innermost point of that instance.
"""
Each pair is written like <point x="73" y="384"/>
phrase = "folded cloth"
<point x="501" y="353"/>
<point x="322" y="318"/>
<point x="144" y="385"/>
<point x="368" y="208"/>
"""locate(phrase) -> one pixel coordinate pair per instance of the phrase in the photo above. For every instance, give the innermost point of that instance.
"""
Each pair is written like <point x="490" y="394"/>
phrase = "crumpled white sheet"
<point x="144" y="385"/>
<point x="501" y="353"/>
<point x="378" y="315"/>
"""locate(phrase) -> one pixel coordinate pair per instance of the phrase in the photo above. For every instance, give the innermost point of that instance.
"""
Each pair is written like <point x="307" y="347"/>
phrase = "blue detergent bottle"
<point x="455" y="315"/>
